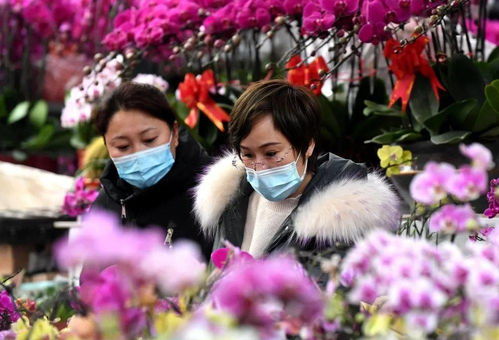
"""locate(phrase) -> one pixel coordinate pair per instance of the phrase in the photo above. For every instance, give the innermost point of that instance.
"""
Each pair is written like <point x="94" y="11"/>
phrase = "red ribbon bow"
<point x="405" y="63"/>
<point x="195" y="93"/>
<point x="306" y="75"/>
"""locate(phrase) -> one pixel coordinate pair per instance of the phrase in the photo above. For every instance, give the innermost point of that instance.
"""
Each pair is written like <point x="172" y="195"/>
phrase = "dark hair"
<point x="132" y="96"/>
<point x="294" y="110"/>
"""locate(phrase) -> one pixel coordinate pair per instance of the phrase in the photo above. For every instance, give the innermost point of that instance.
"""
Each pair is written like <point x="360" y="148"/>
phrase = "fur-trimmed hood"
<point x="341" y="203"/>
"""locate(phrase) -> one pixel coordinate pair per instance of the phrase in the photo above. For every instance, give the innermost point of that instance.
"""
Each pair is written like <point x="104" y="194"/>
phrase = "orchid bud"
<point x="266" y="28"/>
<point x="236" y="39"/>
<point x="219" y="43"/>
<point x="280" y="20"/>
<point x="208" y="40"/>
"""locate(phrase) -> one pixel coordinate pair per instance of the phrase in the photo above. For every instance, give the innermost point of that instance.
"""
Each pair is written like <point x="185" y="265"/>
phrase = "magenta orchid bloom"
<point x="79" y="201"/>
<point x="340" y="7"/>
<point x="467" y="183"/>
<point x="429" y="187"/>
<point x="229" y="255"/>
<point x="316" y="20"/>
<point x="493" y="199"/>
<point x="452" y="218"/>
<point x="480" y="156"/>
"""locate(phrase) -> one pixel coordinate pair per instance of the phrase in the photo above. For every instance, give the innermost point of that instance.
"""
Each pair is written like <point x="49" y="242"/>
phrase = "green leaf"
<point x="19" y="112"/>
<point x="458" y="112"/>
<point x="329" y="117"/>
<point x="372" y="89"/>
<point x="423" y="102"/>
<point x="434" y="124"/>
<point x="388" y="137"/>
<point x="39" y="113"/>
<point x="381" y="110"/>
<point x="493" y="55"/>
<point x="409" y="137"/>
<point x="450" y="137"/>
<point x="494" y="132"/>
<point x="492" y="94"/>
<point x="486" y="119"/>
<point x="39" y="141"/>
<point x="464" y="80"/>
<point x="494" y="70"/>
<point x="485" y="70"/>
<point x="3" y="107"/>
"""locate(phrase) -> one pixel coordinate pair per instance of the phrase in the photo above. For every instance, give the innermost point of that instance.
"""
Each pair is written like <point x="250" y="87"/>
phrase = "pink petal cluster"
<point x="465" y="184"/>
<point x="429" y="187"/>
<point x="153" y="80"/>
<point x="480" y="156"/>
<point x="224" y="257"/>
<point x="79" y="201"/>
<point x="419" y="279"/>
<point x="139" y="254"/>
<point x="111" y="292"/>
<point x="262" y="292"/>
<point x="452" y="219"/>
<point x="493" y="199"/>
<point x="163" y="24"/>
<point x="8" y="311"/>
<point x="78" y="22"/>
<point x="78" y="104"/>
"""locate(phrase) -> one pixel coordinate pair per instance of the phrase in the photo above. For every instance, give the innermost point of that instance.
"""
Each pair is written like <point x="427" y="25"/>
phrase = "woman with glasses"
<point x="275" y="192"/>
<point x="153" y="166"/>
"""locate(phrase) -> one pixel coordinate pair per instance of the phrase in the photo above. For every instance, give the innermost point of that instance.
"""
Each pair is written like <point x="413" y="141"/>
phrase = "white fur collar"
<point x="344" y="210"/>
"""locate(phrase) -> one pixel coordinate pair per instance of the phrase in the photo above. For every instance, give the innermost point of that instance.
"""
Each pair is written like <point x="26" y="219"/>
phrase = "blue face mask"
<point x="145" y="168"/>
<point x="278" y="183"/>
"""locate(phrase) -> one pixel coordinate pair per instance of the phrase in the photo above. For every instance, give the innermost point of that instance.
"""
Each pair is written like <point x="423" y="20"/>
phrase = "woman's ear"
<point x="310" y="149"/>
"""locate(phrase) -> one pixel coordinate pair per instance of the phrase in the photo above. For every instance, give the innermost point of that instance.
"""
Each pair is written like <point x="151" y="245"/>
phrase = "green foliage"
<point x="29" y="127"/>
<point x="471" y="114"/>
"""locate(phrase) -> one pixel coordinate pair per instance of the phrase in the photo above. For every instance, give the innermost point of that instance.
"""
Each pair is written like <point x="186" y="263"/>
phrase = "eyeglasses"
<point x="269" y="161"/>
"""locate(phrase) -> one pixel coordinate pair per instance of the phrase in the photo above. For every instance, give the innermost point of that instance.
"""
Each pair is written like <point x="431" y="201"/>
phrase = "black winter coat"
<point x="168" y="204"/>
<point x="339" y="206"/>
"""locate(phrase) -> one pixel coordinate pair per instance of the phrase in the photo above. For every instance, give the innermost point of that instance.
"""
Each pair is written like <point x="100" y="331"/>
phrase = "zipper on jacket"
<point x="124" y="216"/>
<point x="123" y="211"/>
<point x="168" y="238"/>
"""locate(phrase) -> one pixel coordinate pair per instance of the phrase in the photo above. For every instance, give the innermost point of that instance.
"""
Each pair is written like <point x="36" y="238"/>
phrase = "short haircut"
<point x="294" y="110"/>
<point x="132" y="96"/>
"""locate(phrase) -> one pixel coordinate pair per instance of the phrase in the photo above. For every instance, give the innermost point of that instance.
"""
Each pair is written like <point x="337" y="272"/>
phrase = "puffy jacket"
<point x="339" y="206"/>
<point x="168" y="204"/>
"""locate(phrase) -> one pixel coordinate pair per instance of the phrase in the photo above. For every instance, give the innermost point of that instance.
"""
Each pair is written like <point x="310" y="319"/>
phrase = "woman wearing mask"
<point x="274" y="192"/>
<point x="153" y="163"/>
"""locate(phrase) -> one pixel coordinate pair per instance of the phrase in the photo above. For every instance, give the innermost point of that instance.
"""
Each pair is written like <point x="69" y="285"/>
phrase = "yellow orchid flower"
<point x="392" y="157"/>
